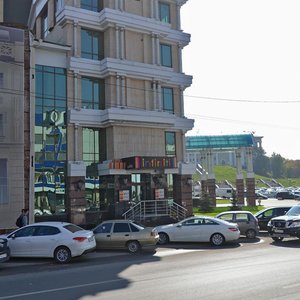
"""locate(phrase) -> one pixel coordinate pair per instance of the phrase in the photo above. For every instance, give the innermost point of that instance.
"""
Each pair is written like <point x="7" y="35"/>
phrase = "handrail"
<point x="155" y="208"/>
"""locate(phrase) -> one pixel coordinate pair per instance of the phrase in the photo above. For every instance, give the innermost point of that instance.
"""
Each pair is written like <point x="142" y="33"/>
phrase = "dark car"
<point x="265" y="215"/>
<point x="4" y="250"/>
<point x="286" y="195"/>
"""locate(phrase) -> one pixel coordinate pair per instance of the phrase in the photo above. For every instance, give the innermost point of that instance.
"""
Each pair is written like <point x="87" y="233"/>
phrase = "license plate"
<point x="3" y="255"/>
<point x="91" y="239"/>
<point x="278" y="231"/>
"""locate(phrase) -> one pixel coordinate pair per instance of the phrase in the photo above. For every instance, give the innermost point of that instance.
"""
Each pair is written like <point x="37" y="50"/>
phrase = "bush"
<point x="205" y="205"/>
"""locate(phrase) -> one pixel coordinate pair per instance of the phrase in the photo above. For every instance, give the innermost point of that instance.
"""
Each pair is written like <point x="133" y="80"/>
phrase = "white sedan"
<point x="199" y="229"/>
<point x="59" y="240"/>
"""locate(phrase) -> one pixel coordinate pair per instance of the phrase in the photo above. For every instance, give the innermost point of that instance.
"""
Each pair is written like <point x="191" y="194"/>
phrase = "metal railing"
<point x="155" y="208"/>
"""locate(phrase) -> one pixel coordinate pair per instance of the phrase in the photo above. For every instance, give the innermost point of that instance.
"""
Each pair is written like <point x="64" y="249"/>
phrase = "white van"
<point x="224" y="192"/>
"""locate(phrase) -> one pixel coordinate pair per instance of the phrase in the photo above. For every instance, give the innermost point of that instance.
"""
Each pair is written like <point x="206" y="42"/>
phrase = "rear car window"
<point x="242" y="217"/>
<point x="73" y="228"/>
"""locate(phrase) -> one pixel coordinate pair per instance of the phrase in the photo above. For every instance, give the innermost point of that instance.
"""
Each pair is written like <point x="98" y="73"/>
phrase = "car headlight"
<point x="294" y="224"/>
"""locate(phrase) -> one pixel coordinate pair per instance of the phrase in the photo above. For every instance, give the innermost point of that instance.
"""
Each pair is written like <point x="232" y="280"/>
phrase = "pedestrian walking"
<point x="23" y="218"/>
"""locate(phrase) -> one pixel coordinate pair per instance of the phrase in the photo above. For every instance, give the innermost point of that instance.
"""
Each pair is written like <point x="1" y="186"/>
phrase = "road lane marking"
<point x="171" y="252"/>
<point x="61" y="289"/>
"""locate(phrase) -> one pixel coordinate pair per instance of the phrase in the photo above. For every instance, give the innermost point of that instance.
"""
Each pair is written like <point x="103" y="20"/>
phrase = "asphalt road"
<point x="250" y="269"/>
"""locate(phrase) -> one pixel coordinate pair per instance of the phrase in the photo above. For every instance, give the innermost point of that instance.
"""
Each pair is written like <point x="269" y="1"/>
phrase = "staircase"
<point x="155" y="209"/>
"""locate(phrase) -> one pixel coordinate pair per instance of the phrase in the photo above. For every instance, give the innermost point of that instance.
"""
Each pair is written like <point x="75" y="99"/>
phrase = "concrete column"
<point x="121" y="5"/>
<point x="181" y="89"/>
<point x="179" y="51"/>
<point x="178" y="25"/>
<point x="239" y="179"/>
<point x="116" y="4"/>
<point x="153" y="48"/>
<point x="159" y="97"/>
<point x="122" y="43"/>
<point x="76" y="101"/>
<point x="156" y="13"/>
<point x="250" y="180"/>
<point x="152" y="9"/>
<point x="76" y="157"/>
<point x="123" y="94"/>
<point x="75" y="39"/>
<point x="157" y="50"/>
<point x="117" y="42"/>
<point x="118" y="90"/>
<point x="154" y="92"/>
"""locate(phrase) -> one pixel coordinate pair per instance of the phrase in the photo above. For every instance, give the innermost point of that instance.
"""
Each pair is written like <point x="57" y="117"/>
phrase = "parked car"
<point x="285" y="226"/>
<point x="265" y="215"/>
<point x="199" y="229"/>
<point x="59" y="240"/>
<point x="286" y="195"/>
<point x="4" y="250"/>
<point x="246" y="221"/>
<point x="125" y="234"/>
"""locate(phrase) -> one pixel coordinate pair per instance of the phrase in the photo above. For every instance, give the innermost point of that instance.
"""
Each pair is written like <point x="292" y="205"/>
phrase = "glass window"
<point x="92" y="93"/>
<point x="170" y="140"/>
<point x="44" y="17"/>
<point x="73" y="228"/>
<point x="3" y="182"/>
<point x="24" y="232"/>
<point x="93" y="5"/>
<point x="134" y="228"/>
<point x="104" y="228"/>
<point x="121" y="227"/>
<point x="165" y="55"/>
<point x="226" y="217"/>
<point x="1" y="81"/>
<point x="241" y="217"/>
<point x="46" y="230"/>
<point x="192" y="222"/>
<point x="90" y="145"/>
<point x="1" y="124"/>
<point x="58" y="5"/>
<point x="51" y="135"/>
<point x="167" y="98"/>
<point x="91" y="44"/>
<point x="164" y="12"/>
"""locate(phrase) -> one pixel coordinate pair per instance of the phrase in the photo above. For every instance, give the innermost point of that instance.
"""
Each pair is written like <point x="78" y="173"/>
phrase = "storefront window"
<point x="50" y="141"/>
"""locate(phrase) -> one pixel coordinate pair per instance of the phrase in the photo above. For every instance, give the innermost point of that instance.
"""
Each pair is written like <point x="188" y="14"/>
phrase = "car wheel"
<point x="251" y="234"/>
<point x="277" y="239"/>
<point x="217" y="239"/>
<point x="133" y="246"/>
<point x="62" y="255"/>
<point x="163" y="238"/>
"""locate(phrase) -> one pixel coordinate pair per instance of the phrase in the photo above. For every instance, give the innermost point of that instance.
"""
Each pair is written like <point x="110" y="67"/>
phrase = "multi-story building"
<point x="107" y="87"/>
<point x="15" y="167"/>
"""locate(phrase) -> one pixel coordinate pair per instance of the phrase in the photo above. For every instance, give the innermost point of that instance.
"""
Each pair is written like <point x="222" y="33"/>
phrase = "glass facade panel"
<point x="164" y="12"/>
<point x="93" y="5"/>
<point x="166" y="55"/>
<point x="167" y="97"/>
<point x="92" y="94"/>
<point x="170" y="139"/>
<point x="91" y="44"/>
<point x="50" y="141"/>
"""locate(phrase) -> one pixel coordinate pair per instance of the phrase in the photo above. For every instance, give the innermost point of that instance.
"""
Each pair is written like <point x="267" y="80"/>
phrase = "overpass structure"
<point x="206" y="146"/>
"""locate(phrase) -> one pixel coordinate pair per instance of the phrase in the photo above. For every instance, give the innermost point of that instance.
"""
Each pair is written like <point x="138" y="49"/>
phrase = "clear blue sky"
<point x="244" y="57"/>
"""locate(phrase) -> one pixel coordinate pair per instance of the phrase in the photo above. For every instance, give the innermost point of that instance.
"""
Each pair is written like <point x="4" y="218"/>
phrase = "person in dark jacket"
<point x="23" y="218"/>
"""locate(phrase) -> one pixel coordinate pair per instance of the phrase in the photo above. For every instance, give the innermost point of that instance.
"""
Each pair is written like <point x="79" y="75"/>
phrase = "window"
<point x="1" y="81"/>
<point x="134" y="228"/>
<point x="93" y="5"/>
<point x="90" y="145"/>
<point x="227" y="217"/>
<point x="192" y="222"/>
<point x="92" y="94"/>
<point x="44" y="31"/>
<point x="167" y="99"/>
<point x="164" y="12"/>
<point x="1" y="125"/>
<point x="91" y="44"/>
<point x="104" y="228"/>
<point x="58" y="5"/>
<point x="241" y="217"/>
<point x="46" y="230"/>
<point x="170" y="141"/>
<point x="165" y="55"/>
<point x="3" y="182"/>
<point x="121" y="227"/>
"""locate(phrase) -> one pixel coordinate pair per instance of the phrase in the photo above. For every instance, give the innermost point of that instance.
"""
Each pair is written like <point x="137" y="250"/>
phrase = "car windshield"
<point x="295" y="210"/>
<point x="73" y="228"/>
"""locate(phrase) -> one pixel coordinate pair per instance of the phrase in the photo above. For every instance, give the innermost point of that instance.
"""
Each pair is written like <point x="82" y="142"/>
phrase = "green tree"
<point x="261" y="163"/>
<point x="277" y="165"/>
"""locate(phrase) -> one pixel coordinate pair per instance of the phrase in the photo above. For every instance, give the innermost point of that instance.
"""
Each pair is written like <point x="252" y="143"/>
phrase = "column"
<point x="159" y="97"/>
<point x="154" y="92"/>
<point x="123" y="94"/>
<point x="116" y="4"/>
<point x="122" y="43"/>
<point x="153" y="48"/>
<point x="178" y="25"/>
<point x="211" y="181"/>
<point x="121" y="5"/>
<point x="181" y="89"/>
<point x="179" y="51"/>
<point x="250" y="180"/>
<point x="76" y="101"/>
<point x="152" y="9"/>
<point x="239" y="179"/>
<point x="118" y="90"/>
<point x="76" y="158"/>
<point x="156" y="14"/>
<point x="157" y="50"/>
<point x="117" y="42"/>
<point x="75" y="39"/>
